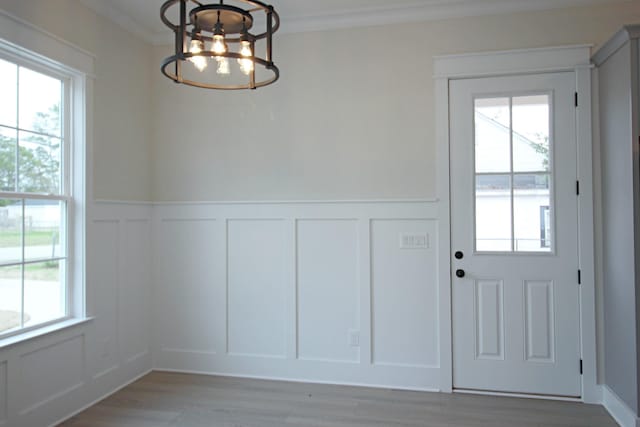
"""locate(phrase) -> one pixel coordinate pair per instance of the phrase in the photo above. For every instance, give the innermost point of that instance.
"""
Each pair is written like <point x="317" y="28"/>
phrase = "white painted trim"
<point x="107" y="202"/>
<point x="24" y="35"/>
<point x="296" y="380"/>
<point x="627" y="33"/>
<point x="443" y="274"/>
<point x="277" y="202"/>
<point x="40" y="332"/>
<point x="33" y="44"/>
<point x="512" y="62"/>
<point x="553" y="59"/>
<point x="101" y="398"/>
<point x="586" y="236"/>
<point x="519" y="395"/>
<point x="344" y="18"/>
<point x="618" y="409"/>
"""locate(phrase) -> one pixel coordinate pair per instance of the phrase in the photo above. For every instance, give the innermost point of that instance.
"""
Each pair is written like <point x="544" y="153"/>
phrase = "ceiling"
<point x="142" y="17"/>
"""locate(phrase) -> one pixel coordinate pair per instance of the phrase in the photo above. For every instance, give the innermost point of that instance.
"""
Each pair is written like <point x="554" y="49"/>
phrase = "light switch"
<point x="414" y="241"/>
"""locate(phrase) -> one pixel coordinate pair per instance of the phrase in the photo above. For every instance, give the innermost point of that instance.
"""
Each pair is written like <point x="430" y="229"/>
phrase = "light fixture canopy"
<point x="208" y="34"/>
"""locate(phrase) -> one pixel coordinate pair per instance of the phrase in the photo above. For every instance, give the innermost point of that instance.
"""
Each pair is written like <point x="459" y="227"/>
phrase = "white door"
<point x="514" y="235"/>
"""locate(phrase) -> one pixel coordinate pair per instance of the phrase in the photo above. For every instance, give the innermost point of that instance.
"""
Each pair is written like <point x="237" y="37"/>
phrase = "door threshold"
<point x="518" y="395"/>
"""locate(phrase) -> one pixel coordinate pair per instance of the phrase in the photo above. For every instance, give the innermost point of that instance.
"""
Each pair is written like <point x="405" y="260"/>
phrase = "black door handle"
<point x="460" y="273"/>
<point x="459" y="255"/>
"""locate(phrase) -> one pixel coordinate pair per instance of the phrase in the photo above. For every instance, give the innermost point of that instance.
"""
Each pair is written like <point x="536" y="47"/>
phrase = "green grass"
<point x="47" y="271"/>
<point x="13" y="238"/>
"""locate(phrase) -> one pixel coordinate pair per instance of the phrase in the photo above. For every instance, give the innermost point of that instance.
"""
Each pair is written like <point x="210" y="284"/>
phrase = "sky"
<point x="38" y="92"/>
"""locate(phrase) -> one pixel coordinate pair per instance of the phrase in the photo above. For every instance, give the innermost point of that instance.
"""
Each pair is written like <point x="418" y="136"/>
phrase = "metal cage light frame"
<point x="223" y="26"/>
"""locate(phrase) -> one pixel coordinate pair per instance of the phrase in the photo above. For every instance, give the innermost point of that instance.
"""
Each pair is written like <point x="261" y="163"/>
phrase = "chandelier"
<point x="215" y="44"/>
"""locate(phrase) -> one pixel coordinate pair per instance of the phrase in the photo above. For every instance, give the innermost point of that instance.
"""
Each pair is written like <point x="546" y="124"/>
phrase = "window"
<point x="513" y="174"/>
<point x="36" y="200"/>
<point x="545" y="227"/>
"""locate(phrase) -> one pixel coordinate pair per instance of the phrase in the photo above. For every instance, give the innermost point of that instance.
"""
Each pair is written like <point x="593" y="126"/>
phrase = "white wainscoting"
<point x="46" y="379"/>
<point x="319" y="292"/>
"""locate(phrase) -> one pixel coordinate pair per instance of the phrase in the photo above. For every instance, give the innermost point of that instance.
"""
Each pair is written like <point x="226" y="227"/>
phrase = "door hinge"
<point x="579" y="277"/>
<point x="578" y="188"/>
<point x="580" y="366"/>
<point x="576" y="99"/>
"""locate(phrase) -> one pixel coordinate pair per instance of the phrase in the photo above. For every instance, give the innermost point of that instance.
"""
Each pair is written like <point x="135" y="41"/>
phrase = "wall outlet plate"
<point x="354" y="338"/>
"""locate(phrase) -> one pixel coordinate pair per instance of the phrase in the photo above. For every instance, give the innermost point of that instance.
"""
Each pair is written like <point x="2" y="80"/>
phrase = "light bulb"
<point x="245" y="48"/>
<point x="219" y="46"/>
<point x="196" y="47"/>
<point x="223" y="65"/>
<point x="246" y="64"/>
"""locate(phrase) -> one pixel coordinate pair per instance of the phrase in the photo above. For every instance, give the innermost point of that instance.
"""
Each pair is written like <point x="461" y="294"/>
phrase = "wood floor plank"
<point x="163" y="399"/>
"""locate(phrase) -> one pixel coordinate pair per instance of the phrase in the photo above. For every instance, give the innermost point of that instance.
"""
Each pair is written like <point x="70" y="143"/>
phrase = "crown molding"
<point x="627" y="33"/>
<point x="363" y="17"/>
<point x="422" y="12"/>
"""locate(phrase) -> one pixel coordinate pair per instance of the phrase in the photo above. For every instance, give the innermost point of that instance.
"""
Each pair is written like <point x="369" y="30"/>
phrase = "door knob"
<point x="459" y="255"/>
<point x="460" y="273"/>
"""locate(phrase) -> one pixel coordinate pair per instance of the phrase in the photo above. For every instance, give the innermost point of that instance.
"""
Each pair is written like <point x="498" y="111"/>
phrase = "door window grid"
<point x="512" y="161"/>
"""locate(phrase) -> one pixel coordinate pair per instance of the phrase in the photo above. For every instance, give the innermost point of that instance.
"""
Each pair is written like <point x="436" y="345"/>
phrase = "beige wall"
<point x="352" y="116"/>
<point x="121" y="168"/>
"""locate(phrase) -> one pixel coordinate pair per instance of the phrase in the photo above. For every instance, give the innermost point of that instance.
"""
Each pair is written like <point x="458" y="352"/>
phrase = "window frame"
<point x="16" y="41"/>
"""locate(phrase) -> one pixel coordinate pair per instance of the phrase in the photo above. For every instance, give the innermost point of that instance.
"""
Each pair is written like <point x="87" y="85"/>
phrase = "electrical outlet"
<point x="414" y="241"/>
<point x="354" y="338"/>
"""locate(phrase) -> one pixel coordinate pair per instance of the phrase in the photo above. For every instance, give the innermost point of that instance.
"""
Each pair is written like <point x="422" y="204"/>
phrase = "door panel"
<point x="514" y="217"/>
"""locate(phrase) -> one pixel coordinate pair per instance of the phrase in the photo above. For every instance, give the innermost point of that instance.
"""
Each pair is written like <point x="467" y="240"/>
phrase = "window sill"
<point x="41" y="332"/>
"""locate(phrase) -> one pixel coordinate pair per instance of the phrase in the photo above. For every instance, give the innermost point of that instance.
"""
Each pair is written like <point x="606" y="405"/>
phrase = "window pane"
<point x="9" y="91"/>
<point x="10" y="298"/>
<point x="8" y="142"/>
<point x="531" y="133"/>
<point x="44" y="293"/>
<point x="492" y="135"/>
<point x="40" y="102"/>
<point x="43" y="229"/>
<point x="10" y="231"/>
<point x="493" y="213"/>
<point x="532" y="213"/>
<point x="39" y="164"/>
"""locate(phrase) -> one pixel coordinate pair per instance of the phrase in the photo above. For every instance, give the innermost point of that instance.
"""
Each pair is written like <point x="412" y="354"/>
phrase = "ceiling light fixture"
<point x="221" y="31"/>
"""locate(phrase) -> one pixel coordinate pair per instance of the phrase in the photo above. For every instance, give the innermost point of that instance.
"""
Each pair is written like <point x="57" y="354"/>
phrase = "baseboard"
<point x="297" y="380"/>
<point x="618" y="409"/>
<point x="99" y="399"/>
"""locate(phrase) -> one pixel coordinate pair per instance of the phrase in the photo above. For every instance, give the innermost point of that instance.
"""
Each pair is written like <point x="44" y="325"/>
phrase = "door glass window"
<point x="513" y="178"/>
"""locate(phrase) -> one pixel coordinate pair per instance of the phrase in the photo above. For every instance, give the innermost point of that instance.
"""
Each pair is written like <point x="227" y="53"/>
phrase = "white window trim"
<point x="18" y="37"/>
<point x="525" y="61"/>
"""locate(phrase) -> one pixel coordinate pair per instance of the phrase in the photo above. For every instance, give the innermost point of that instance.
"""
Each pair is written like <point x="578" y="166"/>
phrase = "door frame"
<point x="574" y="59"/>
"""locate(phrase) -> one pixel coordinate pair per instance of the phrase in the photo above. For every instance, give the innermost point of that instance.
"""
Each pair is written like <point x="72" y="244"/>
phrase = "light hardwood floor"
<point x="166" y="399"/>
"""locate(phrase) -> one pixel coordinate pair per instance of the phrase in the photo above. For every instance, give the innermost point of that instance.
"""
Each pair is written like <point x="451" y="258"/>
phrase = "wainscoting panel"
<point x="338" y="292"/>
<point x="104" y="261"/>
<point x="47" y="378"/>
<point x="189" y="298"/>
<point x="328" y="291"/>
<point x="257" y="300"/>
<point x="50" y="372"/>
<point x="404" y="294"/>
<point x="135" y="292"/>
